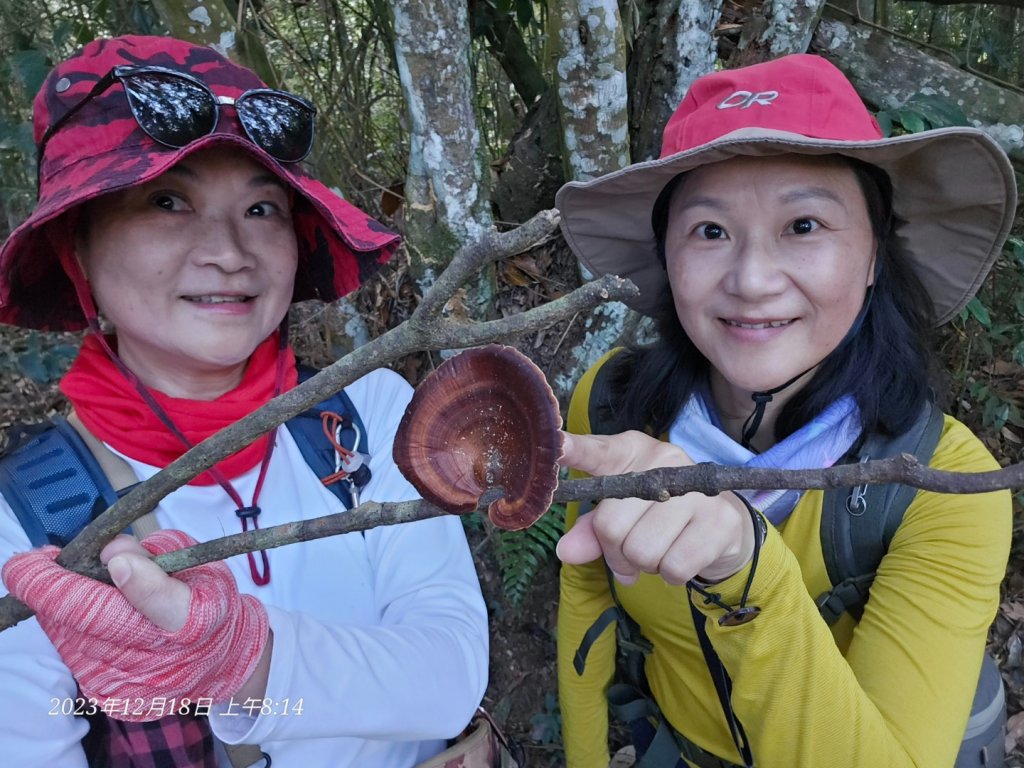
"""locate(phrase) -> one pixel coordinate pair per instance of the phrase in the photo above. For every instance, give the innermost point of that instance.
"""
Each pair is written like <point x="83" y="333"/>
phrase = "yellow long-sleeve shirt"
<point x="894" y="690"/>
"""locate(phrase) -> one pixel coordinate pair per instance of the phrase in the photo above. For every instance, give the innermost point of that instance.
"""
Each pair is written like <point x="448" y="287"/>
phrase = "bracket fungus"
<point x="485" y="418"/>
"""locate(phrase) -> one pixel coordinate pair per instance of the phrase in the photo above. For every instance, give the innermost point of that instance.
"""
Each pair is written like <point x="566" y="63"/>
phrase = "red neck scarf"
<point x="112" y="410"/>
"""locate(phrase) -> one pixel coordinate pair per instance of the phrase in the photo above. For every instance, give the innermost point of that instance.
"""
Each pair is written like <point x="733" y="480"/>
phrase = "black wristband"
<point x="743" y="613"/>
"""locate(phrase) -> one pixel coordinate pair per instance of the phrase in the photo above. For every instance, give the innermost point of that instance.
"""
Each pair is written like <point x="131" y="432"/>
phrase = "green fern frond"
<point x="521" y="554"/>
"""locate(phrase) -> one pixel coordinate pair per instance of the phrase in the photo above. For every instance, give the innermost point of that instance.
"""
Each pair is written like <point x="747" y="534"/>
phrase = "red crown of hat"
<point x="806" y="95"/>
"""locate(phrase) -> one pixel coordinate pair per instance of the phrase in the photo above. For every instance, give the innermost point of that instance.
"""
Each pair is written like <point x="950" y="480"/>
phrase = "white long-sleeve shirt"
<point x="381" y="634"/>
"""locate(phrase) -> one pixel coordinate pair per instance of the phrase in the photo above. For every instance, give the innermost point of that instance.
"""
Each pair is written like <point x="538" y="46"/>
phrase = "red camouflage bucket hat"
<point x="94" y="145"/>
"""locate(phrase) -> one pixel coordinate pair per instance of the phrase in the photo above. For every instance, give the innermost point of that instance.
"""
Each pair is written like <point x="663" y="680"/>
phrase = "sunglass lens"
<point x="172" y="110"/>
<point x="278" y="123"/>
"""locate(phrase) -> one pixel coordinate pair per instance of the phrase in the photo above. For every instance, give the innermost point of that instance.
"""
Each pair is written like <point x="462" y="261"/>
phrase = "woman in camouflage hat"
<point x="173" y="203"/>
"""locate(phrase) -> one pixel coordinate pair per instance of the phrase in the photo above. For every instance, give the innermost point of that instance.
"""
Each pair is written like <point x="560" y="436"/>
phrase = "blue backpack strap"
<point x="308" y="432"/>
<point x="51" y="480"/>
<point x="55" y="486"/>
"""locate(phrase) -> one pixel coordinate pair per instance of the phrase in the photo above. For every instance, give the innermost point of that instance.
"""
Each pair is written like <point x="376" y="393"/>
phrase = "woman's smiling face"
<point x="193" y="269"/>
<point x="769" y="260"/>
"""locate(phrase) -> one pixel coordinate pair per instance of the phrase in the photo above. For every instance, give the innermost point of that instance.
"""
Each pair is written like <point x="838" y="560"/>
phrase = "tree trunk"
<point x="674" y="48"/>
<point x="1020" y="58"/>
<point x="590" y="65"/>
<point x="589" y="53"/>
<point x="531" y="172"/>
<point x="1004" y="39"/>
<point x="887" y="72"/>
<point x="214" y="23"/>
<point x="446" y="191"/>
<point x="784" y="26"/>
<point x="882" y="12"/>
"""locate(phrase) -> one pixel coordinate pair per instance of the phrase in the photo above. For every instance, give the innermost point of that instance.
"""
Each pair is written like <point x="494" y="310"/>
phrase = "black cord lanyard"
<point x="732" y="617"/>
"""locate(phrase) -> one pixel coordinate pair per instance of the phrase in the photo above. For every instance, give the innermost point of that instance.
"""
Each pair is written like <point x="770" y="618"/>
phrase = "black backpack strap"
<point x="857" y="524"/>
<point x="629" y="698"/>
<point x="627" y="631"/>
<point x="600" y="405"/>
<point x="308" y="432"/>
<point x="52" y="481"/>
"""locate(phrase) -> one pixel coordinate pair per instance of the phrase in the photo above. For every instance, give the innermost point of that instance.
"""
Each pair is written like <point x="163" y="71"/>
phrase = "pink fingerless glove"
<point x="116" y="653"/>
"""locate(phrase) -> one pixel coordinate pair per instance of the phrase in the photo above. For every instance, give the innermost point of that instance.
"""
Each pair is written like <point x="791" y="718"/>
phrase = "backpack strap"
<point x="52" y="481"/>
<point x="857" y="524"/>
<point x="307" y="429"/>
<point x="117" y="471"/>
<point x="122" y="478"/>
<point x="57" y="477"/>
<point x="629" y="697"/>
<point x="600" y="405"/>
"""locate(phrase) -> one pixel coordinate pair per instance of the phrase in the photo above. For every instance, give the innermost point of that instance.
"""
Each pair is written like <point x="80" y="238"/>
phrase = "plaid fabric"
<point x="176" y="741"/>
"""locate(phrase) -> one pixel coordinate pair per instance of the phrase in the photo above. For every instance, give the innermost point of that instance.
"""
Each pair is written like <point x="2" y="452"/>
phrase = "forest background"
<point x="448" y="119"/>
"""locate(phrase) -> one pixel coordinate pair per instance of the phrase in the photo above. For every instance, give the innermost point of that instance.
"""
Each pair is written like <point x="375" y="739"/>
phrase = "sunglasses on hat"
<point x="175" y="109"/>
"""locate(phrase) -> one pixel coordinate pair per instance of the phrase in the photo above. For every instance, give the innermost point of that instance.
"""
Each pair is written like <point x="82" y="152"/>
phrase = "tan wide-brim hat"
<point x="953" y="187"/>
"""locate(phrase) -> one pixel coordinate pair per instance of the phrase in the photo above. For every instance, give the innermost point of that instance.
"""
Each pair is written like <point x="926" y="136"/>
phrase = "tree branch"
<point x="655" y="484"/>
<point x="427" y="329"/>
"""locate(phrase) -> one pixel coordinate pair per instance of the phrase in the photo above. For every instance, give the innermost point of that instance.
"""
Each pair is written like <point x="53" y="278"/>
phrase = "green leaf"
<point x="472" y="521"/>
<point x="84" y="33"/>
<point x="31" y="364"/>
<point x="979" y="312"/>
<point x="1015" y="246"/>
<point x="1002" y="415"/>
<point x="23" y="140"/>
<point x="1014" y="417"/>
<point x="522" y="554"/>
<point x="1018" y="353"/>
<point x="62" y="33"/>
<point x="938" y="110"/>
<point x="911" y="120"/>
<point x="142" y="18"/>
<point x="884" y="119"/>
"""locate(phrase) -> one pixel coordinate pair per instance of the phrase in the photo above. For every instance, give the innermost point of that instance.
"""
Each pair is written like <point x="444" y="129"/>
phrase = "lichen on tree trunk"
<point x="210" y="22"/>
<point x="589" y="53"/>
<point x="781" y="27"/>
<point x="676" y="46"/>
<point x="590" y="64"/>
<point x="887" y="72"/>
<point x="446" y="188"/>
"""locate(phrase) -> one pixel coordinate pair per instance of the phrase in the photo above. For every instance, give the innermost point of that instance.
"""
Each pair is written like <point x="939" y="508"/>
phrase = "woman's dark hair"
<point x="884" y="364"/>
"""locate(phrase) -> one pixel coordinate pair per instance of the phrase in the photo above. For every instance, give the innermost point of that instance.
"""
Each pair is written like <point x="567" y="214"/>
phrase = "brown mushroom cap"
<point x="484" y="418"/>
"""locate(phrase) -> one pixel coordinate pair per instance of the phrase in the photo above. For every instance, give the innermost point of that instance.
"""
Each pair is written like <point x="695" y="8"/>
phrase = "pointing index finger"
<point x="591" y="454"/>
<point x="617" y="454"/>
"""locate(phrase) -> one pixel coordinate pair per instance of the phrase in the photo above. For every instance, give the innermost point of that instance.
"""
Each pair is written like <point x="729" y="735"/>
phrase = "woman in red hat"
<point x="794" y="260"/>
<point x="172" y="203"/>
